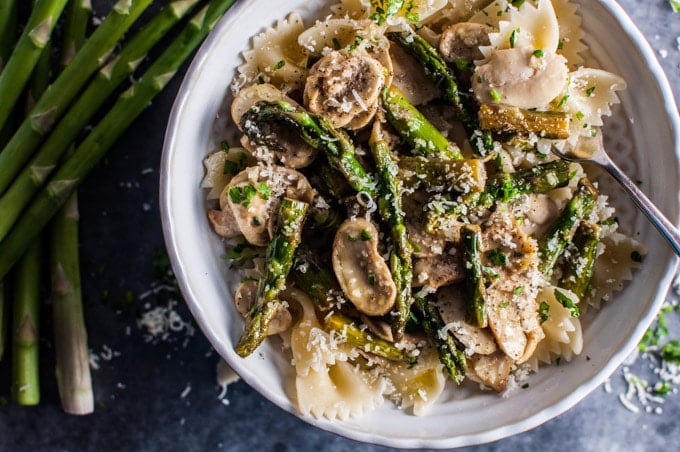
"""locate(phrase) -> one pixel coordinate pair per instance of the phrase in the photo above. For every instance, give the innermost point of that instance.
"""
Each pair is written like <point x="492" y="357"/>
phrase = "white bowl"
<point x="646" y="142"/>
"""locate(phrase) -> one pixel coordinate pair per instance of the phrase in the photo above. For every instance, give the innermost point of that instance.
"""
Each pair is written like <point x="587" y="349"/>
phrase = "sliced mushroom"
<point x="345" y="88"/>
<point x="461" y="41"/>
<point x="362" y="273"/>
<point x="539" y="211"/>
<point x="378" y="327"/>
<point x="451" y="305"/>
<point x="505" y="322"/>
<point x="517" y="77"/>
<point x="410" y="78"/>
<point x="424" y="244"/>
<point x="439" y="270"/>
<point x="223" y="222"/>
<point x="245" y="298"/>
<point x="254" y="195"/>
<point x="490" y="370"/>
<point x="292" y="151"/>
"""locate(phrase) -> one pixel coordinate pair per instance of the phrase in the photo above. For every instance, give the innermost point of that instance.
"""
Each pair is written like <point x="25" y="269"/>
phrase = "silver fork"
<point x="592" y="151"/>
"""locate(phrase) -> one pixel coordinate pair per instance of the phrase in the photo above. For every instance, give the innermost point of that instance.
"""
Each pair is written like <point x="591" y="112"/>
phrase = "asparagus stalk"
<point x="459" y="175"/>
<point x="579" y="265"/>
<point x="444" y="78"/>
<point x="314" y="130"/>
<point x="316" y="281"/>
<point x="561" y="232"/>
<point x="25" y="350"/>
<point x="505" y="119"/>
<point x="129" y="105"/>
<point x="503" y="187"/>
<point x="363" y="339"/>
<point x="54" y="101"/>
<point x="278" y="262"/>
<point x="17" y="72"/>
<point x="474" y="279"/>
<point x="450" y="353"/>
<point x="389" y="206"/>
<point x="415" y="128"/>
<point x="107" y="79"/>
<point x="70" y="336"/>
<point x="75" y="29"/>
<point x="8" y="20"/>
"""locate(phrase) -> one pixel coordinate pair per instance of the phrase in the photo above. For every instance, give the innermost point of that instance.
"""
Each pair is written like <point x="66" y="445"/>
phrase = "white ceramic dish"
<point x="648" y="145"/>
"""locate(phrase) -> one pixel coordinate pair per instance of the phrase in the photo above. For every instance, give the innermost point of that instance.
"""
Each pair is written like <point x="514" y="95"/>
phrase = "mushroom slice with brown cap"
<point x="345" y="88"/>
<point x="291" y="150"/>
<point x="254" y="195"/>
<point x="461" y="41"/>
<point x="439" y="270"/>
<point x="362" y="273"/>
<point x="490" y="370"/>
<point x="245" y="298"/>
<point x="223" y="223"/>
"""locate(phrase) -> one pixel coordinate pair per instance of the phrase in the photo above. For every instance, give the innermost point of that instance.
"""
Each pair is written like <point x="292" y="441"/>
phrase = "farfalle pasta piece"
<point x="493" y="14"/>
<point x="275" y="57"/>
<point x="571" y="34"/>
<point x="353" y="9"/>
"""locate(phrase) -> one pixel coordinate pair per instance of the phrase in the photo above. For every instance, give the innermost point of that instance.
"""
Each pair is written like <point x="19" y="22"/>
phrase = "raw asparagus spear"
<point x="17" y="72"/>
<point x="459" y="175"/>
<point x="474" y="279"/>
<point x="450" y="354"/>
<point x="70" y="336"/>
<point x="314" y="130"/>
<point x="503" y="187"/>
<point x="35" y="174"/>
<point x="578" y="270"/>
<point x="389" y="206"/>
<point x="561" y="232"/>
<point x="444" y="78"/>
<point x="505" y="119"/>
<point x="415" y="128"/>
<point x="25" y="347"/>
<point x="364" y="340"/>
<point x="54" y="101"/>
<point x="75" y="30"/>
<point x="8" y="20"/>
<point x="129" y="105"/>
<point x="278" y="262"/>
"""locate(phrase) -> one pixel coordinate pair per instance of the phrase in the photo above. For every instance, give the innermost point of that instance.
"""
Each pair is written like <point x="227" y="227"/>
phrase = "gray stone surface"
<point x="163" y="396"/>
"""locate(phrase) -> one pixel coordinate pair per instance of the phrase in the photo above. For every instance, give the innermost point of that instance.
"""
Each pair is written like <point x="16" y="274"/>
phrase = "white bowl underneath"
<point x="648" y="138"/>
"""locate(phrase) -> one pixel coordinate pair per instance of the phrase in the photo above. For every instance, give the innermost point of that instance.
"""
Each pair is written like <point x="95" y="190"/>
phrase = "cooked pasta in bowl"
<point x="367" y="220"/>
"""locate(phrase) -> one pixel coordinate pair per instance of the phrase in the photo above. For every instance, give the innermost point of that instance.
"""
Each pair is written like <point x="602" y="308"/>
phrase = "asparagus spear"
<point x="54" y="101"/>
<point x="505" y="119"/>
<point x="503" y="187"/>
<point x="561" y="232"/>
<point x="70" y="336"/>
<point x="474" y="279"/>
<point x="278" y="262"/>
<point x="444" y="78"/>
<point x="415" y="128"/>
<point x="129" y="105"/>
<point x="459" y="175"/>
<point x="450" y="354"/>
<point x="389" y="206"/>
<point x="8" y="20"/>
<point x="316" y="281"/>
<point x="17" y="72"/>
<point x="25" y="350"/>
<point x="364" y="340"/>
<point x="35" y="174"/>
<point x="578" y="270"/>
<point x="314" y="130"/>
<point x="75" y="29"/>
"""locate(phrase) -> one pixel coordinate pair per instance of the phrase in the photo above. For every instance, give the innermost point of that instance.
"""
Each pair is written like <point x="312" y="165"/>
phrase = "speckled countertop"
<point x="161" y="394"/>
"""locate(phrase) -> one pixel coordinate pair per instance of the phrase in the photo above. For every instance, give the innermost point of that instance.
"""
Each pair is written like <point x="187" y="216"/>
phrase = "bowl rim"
<point x="532" y="421"/>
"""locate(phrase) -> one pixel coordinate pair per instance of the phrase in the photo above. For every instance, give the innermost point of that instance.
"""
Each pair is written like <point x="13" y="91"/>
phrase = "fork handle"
<point x="658" y="219"/>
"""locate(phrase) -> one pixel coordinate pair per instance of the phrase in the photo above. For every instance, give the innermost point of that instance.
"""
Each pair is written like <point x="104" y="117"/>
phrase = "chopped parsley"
<point x="513" y="37"/>
<point x="590" y="91"/>
<point x="242" y="194"/>
<point x="579" y="115"/>
<point x="567" y="303"/>
<point x="498" y="257"/>
<point x="544" y="312"/>
<point x="504" y="305"/>
<point x="365" y="235"/>
<point x="371" y="279"/>
<point x="563" y="100"/>
<point x="495" y="95"/>
<point x="279" y="65"/>
<point x="560" y="44"/>
<point x="518" y="291"/>
<point x="462" y="64"/>
<point x="675" y="5"/>
<point x="517" y="3"/>
<point x="263" y="190"/>
<point x="525" y="385"/>
<point x="538" y="53"/>
<point x="336" y="44"/>
<point x="355" y="44"/>
<point x="671" y="352"/>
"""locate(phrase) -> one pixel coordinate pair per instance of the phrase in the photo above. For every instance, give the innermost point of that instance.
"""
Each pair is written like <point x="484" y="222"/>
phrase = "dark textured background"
<point x="139" y="390"/>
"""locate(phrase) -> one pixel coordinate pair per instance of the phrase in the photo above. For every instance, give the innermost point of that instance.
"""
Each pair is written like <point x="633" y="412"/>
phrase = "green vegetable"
<point x="567" y="302"/>
<point x="471" y="236"/>
<point x="504" y="119"/>
<point x="579" y="263"/>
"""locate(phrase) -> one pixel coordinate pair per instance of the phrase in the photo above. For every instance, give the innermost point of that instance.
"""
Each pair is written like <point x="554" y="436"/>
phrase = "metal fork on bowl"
<point x="592" y="151"/>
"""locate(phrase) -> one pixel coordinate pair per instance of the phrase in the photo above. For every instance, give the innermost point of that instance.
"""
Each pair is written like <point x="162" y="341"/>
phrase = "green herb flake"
<point x="579" y="115"/>
<point x="224" y="146"/>
<point x="567" y="303"/>
<point x="236" y="195"/>
<point x="263" y="190"/>
<point x="671" y="352"/>
<point x="256" y="221"/>
<point x="371" y="279"/>
<point x="365" y="235"/>
<point x="538" y="53"/>
<point x="279" y="65"/>
<point x="495" y="95"/>
<point x="249" y="193"/>
<point x="504" y="305"/>
<point x="462" y="64"/>
<point x="518" y="291"/>
<point x="231" y="168"/>
<point x="544" y="312"/>
<point x="590" y="91"/>
<point x="563" y="101"/>
<point x="675" y="5"/>
<point x="513" y="37"/>
<point x="662" y="388"/>
<point x="517" y="3"/>
<point x="560" y="44"/>
<point x="525" y="385"/>
<point x="336" y="44"/>
<point x="355" y="44"/>
<point x="498" y="257"/>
